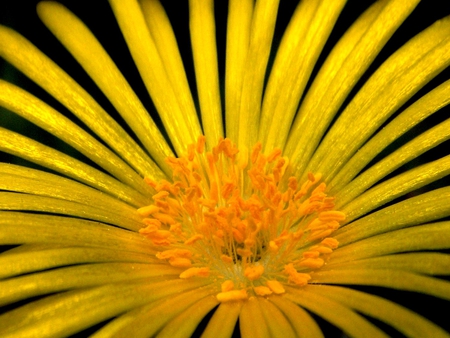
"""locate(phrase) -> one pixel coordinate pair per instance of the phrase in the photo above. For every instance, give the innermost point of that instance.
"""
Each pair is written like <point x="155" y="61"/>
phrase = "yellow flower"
<point x="276" y="186"/>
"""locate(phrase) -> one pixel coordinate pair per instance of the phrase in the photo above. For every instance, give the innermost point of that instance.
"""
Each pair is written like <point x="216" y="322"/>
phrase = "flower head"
<point x="274" y="187"/>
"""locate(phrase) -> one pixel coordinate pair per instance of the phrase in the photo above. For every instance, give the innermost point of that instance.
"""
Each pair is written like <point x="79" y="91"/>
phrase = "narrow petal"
<point x="204" y="48"/>
<point x="424" y="237"/>
<point x="25" y="202"/>
<point x="399" y="280"/>
<point x="393" y="188"/>
<point x="68" y="231"/>
<point x="297" y="54"/>
<point x="252" y="322"/>
<point x="180" y="120"/>
<point x="82" y="44"/>
<point x="278" y="324"/>
<point x="35" y="152"/>
<point x="404" y="320"/>
<point x="411" y="150"/>
<point x="33" y="63"/>
<point x="410" y="117"/>
<point x="17" y="263"/>
<point x="165" y="41"/>
<point x="80" y="276"/>
<point x="430" y="263"/>
<point x="223" y="321"/>
<point x="238" y="39"/>
<point x="147" y="320"/>
<point x="304" y="325"/>
<point x="53" y="315"/>
<point x="187" y="321"/>
<point x="397" y="80"/>
<point x="37" y="182"/>
<point x="415" y="210"/>
<point x="345" y="65"/>
<point x="261" y="34"/>
<point x="34" y="110"/>
<point x="337" y="314"/>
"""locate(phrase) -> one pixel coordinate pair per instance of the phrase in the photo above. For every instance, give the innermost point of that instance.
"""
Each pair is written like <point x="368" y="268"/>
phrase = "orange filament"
<point x="241" y="220"/>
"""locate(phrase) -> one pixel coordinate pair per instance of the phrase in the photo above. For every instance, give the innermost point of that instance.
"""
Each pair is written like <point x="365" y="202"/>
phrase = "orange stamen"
<point x="238" y="217"/>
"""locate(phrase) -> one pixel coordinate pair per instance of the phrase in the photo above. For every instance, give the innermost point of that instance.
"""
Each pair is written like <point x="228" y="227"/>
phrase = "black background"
<point x="21" y="15"/>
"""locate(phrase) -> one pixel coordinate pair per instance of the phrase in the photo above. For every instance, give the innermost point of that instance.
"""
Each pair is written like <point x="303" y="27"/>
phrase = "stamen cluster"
<point x="241" y="218"/>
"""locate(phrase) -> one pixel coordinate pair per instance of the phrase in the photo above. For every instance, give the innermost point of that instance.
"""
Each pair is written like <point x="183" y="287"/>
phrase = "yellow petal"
<point x="204" y="48"/>
<point x="18" y="263"/>
<point x="223" y="321"/>
<point x="304" y="325"/>
<point x="430" y="263"/>
<point x="404" y="320"/>
<point x="36" y="182"/>
<point x="300" y="47"/>
<point x="339" y="315"/>
<point x="393" y="188"/>
<point x="433" y="236"/>
<point x="33" y="151"/>
<point x="261" y="34"/>
<point x="400" y="77"/>
<point x="82" y="44"/>
<point x="31" y="108"/>
<point x="238" y="36"/>
<point x="77" y="277"/>
<point x="180" y="120"/>
<point x="347" y="62"/>
<point x="423" y="208"/>
<point x="33" y="63"/>
<point x="25" y="202"/>
<point x="394" y="279"/>
<point x="147" y="320"/>
<point x="410" y="117"/>
<point x="187" y="321"/>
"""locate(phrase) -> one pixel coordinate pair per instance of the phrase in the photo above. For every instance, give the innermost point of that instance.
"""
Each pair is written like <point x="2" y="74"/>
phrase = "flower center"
<point x="241" y="219"/>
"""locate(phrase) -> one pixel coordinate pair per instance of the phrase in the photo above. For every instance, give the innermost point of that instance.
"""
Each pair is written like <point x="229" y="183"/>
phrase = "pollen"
<point x="239" y="219"/>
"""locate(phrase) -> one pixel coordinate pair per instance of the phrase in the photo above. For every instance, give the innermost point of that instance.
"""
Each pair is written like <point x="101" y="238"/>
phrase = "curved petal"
<point x="338" y="314"/>
<point x="34" y="110"/>
<point x="279" y="325"/>
<point x="147" y="320"/>
<point x="17" y="263"/>
<point x="82" y="44"/>
<point x="179" y="117"/>
<point x="410" y="117"/>
<point x="36" y="182"/>
<point x="238" y="35"/>
<point x="393" y="188"/>
<point x="36" y="152"/>
<point x="417" y="146"/>
<point x="397" y="80"/>
<point x="33" y="63"/>
<point x="297" y="54"/>
<point x="25" y="202"/>
<point x="260" y="42"/>
<point x="223" y="321"/>
<point x="304" y="325"/>
<point x="204" y="49"/>
<point x="345" y="65"/>
<point x="430" y="263"/>
<point x="53" y="315"/>
<point x="399" y="280"/>
<point x="404" y="320"/>
<point x="80" y="276"/>
<point x="76" y="232"/>
<point x="423" y="237"/>
<point x="415" y="210"/>
<point x="187" y="321"/>
<point x="252" y="322"/>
